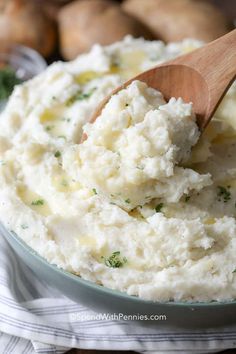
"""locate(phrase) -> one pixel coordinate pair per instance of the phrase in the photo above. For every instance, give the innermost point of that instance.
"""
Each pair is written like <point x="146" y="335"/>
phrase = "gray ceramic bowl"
<point x="105" y="300"/>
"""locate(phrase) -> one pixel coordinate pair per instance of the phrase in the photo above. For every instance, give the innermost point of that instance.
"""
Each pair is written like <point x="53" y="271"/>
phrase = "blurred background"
<point x="34" y="33"/>
<point x="64" y="28"/>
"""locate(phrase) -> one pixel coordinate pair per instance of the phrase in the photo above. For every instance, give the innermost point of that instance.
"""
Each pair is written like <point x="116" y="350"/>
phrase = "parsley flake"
<point x="223" y="194"/>
<point x="8" y="80"/>
<point x="187" y="197"/>
<point x="24" y="226"/>
<point x="115" y="260"/>
<point x="94" y="191"/>
<point x="79" y="96"/>
<point x="159" y="207"/>
<point x="37" y="202"/>
<point x="64" y="183"/>
<point x="57" y="154"/>
<point x="127" y="201"/>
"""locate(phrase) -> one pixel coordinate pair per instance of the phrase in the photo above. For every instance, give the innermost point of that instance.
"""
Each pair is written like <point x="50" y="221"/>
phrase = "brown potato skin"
<point x="174" y="20"/>
<point x="83" y="23"/>
<point x="24" y="22"/>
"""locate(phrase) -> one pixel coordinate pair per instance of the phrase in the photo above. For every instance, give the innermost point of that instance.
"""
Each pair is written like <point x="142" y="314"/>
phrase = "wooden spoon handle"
<point x="216" y="62"/>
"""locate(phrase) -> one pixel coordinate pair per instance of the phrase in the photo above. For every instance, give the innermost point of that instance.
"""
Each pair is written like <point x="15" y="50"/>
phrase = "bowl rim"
<point x="101" y="288"/>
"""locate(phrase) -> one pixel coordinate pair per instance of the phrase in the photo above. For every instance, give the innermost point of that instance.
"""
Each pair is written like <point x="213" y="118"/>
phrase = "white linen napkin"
<point x="35" y="318"/>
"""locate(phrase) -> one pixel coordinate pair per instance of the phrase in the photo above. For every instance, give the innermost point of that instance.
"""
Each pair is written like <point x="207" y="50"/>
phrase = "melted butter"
<point x="48" y="116"/>
<point x="114" y="69"/>
<point x="210" y="221"/>
<point x="87" y="76"/>
<point x="35" y="153"/>
<point x="224" y="138"/>
<point x="188" y="48"/>
<point x="131" y="63"/>
<point x="51" y="114"/>
<point x="28" y="197"/>
<point x="133" y="60"/>
<point x="87" y="241"/>
<point x="64" y="184"/>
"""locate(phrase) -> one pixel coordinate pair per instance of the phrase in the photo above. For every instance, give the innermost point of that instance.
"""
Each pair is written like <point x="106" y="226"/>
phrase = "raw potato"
<point x="51" y="8"/>
<point x="23" y="22"/>
<point x="86" y="22"/>
<point x="174" y="20"/>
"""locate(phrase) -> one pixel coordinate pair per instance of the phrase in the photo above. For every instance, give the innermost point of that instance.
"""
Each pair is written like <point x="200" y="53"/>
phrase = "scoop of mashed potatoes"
<point x="133" y="149"/>
<point x="168" y="230"/>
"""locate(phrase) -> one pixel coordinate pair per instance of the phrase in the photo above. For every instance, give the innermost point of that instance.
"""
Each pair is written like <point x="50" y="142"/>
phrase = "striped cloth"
<point x="35" y="318"/>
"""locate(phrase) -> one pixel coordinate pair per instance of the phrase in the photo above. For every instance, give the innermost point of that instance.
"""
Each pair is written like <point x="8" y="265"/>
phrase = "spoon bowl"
<point x="201" y="77"/>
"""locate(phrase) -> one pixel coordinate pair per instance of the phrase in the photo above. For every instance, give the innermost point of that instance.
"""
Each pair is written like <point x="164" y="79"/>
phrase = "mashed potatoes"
<point x="133" y="147"/>
<point x="132" y="208"/>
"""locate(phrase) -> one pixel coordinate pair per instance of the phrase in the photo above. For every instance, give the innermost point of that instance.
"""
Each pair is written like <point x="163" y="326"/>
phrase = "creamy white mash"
<point x="133" y="148"/>
<point x="141" y="206"/>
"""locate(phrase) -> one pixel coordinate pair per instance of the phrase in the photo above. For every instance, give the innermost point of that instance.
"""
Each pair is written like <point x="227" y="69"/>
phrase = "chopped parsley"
<point x="234" y="271"/>
<point x="8" y="80"/>
<point x="64" y="183"/>
<point x="66" y="119"/>
<point x="49" y="127"/>
<point x="37" y="202"/>
<point x="94" y="191"/>
<point x="223" y="194"/>
<point x="24" y="226"/>
<point x="127" y="105"/>
<point x="159" y="207"/>
<point x="80" y="96"/>
<point x="57" y="154"/>
<point x="127" y="201"/>
<point x="115" y="260"/>
<point x="187" y="197"/>
<point x="116" y="62"/>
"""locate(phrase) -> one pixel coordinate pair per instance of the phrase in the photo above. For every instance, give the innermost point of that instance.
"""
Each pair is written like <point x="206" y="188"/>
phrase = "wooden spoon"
<point x="201" y="77"/>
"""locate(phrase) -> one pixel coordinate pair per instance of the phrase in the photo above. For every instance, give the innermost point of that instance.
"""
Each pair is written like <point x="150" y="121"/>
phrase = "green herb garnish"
<point x="64" y="183"/>
<point x="223" y="194"/>
<point x="187" y="198"/>
<point x="38" y="202"/>
<point x="57" y="154"/>
<point x="94" y="191"/>
<point x="79" y="96"/>
<point x="159" y="207"/>
<point x="115" y="260"/>
<point x="127" y="201"/>
<point x="66" y="119"/>
<point x="234" y="271"/>
<point x="8" y="80"/>
<point x="24" y="226"/>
